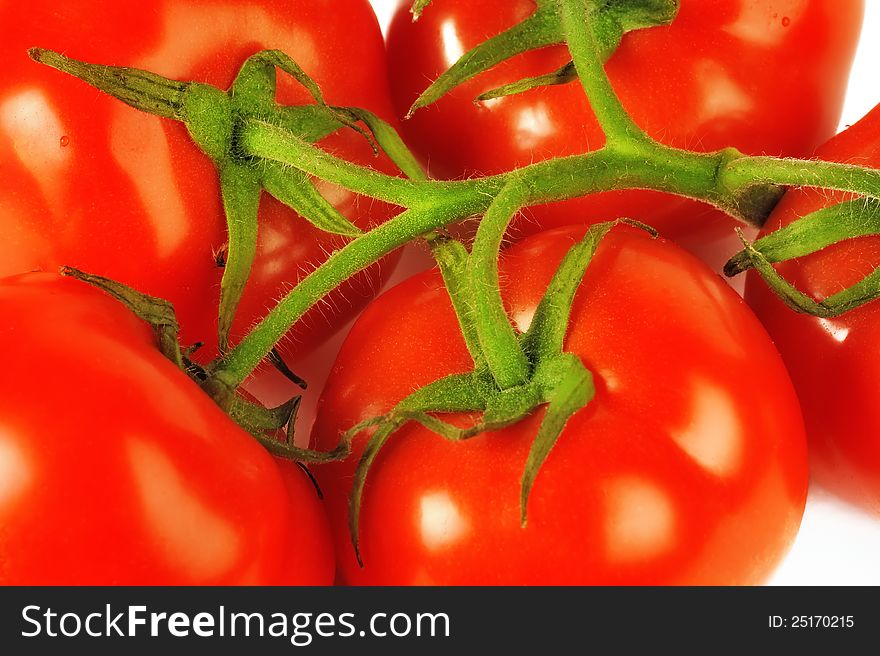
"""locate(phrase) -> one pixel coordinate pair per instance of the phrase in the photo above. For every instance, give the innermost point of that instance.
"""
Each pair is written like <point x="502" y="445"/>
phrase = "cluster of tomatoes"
<point x="691" y="463"/>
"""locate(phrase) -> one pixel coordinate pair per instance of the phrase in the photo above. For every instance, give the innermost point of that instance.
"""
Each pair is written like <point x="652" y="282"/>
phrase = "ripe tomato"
<point x="89" y="182"/>
<point x="765" y="76"/>
<point x="116" y="469"/>
<point x="308" y="554"/>
<point x="676" y="472"/>
<point x="834" y="363"/>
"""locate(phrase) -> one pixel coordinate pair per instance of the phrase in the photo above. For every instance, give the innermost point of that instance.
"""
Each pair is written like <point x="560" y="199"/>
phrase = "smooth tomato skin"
<point x="117" y="469"/>
<point x="834" y="363"/>
<point x="767" y="77"/>
<point x="676" y="473"/>
<point x="310" y="558"/>
<point x="92" y="183"/>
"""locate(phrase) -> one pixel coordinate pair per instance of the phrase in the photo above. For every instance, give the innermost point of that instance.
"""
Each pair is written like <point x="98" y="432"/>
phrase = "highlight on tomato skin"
<point x="676" y="473"/>
<point x="833" y="362"/>
<point x="117" y="469"/>
<point x="767" y="77"/>
<point x="91" y="183"/>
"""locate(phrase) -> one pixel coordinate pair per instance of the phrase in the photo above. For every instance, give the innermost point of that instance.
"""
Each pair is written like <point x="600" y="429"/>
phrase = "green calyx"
<point x="805" y="236"/>
<point x="609" y="19"/>
<point x="265" y="424"/>
<point x="142" y="90"/>
<point x="563" y="75"/>
<point x="157" y="312"/>
<point x="553" y="378"/>
<point x="214" y="119"/>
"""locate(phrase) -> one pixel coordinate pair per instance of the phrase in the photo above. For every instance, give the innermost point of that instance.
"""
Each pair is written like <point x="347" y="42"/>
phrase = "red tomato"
<point x="834" y="363"/>
<point x="89" y="182"/>
<point x="308" y="556"/>
<point x="765" y="76"/>
<point x="677" y="472"/>
<point x="116" y="469"/>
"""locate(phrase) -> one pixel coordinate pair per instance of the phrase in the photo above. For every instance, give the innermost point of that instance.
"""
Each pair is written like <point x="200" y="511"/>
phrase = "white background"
<point x="837" y="545"/>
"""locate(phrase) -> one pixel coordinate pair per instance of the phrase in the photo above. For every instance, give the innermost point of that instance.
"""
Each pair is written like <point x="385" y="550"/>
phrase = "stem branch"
<point x="233" y="369"/>
<point x="726" y="179"/>
<point x="261" y="139"/>
<point x="801" y="173"/>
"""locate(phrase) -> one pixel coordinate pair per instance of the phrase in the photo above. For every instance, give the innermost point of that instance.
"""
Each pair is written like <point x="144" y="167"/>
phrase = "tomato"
<point x="833" y="362"/>
<point x="675" y="473"/>
<point x="89" y="182"/>
<point x="116" y="469"/>
<point x="308" y="555"/>
<point x="766" y="76"/>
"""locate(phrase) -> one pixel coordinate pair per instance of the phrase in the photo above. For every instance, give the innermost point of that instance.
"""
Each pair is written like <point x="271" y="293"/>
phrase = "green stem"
<point x="801" y="173"/>
<point x="452" y="260"/>
<point x="742" y="186"/>
<point x="650" y="166"/>
<point x="261" y="139"/>
<point x="579" y="20"/>
<point x="668" y="170"/>
<point x="233" y="369"/>
<point x="500" y="347"/>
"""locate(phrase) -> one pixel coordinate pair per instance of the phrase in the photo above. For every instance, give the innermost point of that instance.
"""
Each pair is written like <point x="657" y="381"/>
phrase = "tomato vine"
<point x="257" y="144"/>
